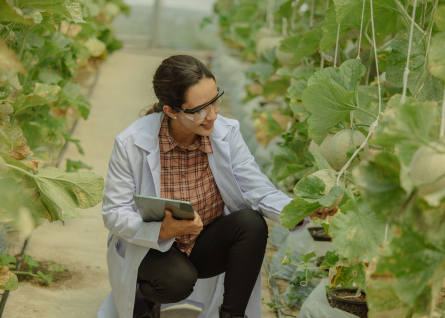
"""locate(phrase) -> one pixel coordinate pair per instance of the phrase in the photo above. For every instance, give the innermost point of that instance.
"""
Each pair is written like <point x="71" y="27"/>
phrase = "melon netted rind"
<point x="341" y="143"/>
<point x="330" y="180"/>
<point x="426" y="165"/>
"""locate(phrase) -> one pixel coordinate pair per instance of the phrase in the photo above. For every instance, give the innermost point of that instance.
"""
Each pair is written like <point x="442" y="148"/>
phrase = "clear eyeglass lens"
<point x="205" y="111"/>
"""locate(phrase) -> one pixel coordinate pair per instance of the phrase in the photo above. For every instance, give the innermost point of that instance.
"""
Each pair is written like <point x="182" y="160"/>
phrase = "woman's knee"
<point x="252" y="222"/>
<point x="171" y="280"/>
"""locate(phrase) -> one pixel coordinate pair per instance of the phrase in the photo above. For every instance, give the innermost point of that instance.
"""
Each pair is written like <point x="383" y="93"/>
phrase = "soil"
<point x="359" y="309"/>
<point x="58" y="279"/>
<point x="342" y="294"/>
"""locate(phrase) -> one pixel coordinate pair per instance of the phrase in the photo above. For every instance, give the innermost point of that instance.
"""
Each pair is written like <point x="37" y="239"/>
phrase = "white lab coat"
<point x="135" y="168"/>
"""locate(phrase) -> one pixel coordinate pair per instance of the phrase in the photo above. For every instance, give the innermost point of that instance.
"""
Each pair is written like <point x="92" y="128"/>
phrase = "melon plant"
<point x="329" y="178"/>
<point x="267" y="42"/>
<point x="345" y="141"/>
<point x="388" y="56"/>
<point x="427" y="165"/>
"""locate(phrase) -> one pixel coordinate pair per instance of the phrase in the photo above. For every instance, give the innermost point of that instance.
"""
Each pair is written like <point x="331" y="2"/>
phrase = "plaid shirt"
<point x="186" y="176"/>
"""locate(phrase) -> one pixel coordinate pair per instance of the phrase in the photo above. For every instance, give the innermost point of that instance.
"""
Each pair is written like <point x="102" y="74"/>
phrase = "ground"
<point x="123" y="90"/>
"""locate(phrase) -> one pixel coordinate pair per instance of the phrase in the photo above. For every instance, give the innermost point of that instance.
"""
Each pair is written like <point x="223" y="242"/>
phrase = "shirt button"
<point x="183" y="176"/>
<point x="130" y="305"/>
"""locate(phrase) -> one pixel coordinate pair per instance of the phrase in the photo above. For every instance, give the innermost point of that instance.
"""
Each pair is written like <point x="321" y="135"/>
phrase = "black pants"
<point x="234" y="244"/>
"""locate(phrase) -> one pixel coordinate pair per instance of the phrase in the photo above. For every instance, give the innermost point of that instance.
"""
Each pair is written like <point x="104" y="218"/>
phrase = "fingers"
<point x="168" y="214"/>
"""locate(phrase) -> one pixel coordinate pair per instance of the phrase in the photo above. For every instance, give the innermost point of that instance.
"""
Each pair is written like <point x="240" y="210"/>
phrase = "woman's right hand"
<point x="175" y="228"/>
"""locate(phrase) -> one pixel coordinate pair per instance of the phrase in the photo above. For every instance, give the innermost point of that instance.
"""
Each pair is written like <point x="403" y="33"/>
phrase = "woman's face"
<point x="197" y="95"/>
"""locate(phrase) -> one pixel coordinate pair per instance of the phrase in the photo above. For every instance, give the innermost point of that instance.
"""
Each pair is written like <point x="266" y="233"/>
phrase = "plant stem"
<point x="406" y="15"/>
<point x="311" y="19"/>
<point x="336" y="46"/>
<point x="407" y="71"/>
<point x="442" y="121"/>
<point x="304" y="267"/>
<point x="20" y="170"/>
<point x="25" y="273"/>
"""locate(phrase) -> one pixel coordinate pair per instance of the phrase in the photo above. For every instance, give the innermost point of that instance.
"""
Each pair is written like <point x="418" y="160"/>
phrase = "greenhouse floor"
<point x="122" y="91"/>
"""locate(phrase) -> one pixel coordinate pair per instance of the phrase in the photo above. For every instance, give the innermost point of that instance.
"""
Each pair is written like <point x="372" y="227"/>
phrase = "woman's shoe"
<point x="223" y="314"/>
<point x="144" y="308"/>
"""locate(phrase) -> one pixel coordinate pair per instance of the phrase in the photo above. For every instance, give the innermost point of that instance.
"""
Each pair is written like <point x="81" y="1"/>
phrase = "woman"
<point x="183" y="150"/>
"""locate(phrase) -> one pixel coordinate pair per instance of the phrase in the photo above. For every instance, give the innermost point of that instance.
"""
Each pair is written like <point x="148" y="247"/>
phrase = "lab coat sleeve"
<point x="119" y="209"/>
<point x="255" y="186"/>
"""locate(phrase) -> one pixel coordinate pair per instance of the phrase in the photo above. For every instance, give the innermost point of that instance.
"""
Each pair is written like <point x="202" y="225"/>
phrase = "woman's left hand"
<point x="323" y="214"/>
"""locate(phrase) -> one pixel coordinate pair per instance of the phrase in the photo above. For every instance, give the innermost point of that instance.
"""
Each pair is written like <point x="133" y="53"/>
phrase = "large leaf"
<point x="308" y="45"/>
<point x="439" y="18"/>
<point x="416" y="262"/>
<point x="9" y="61"/>
<point x="12" y="14"/>
<point x="410" y="123"/>
<point x="61" y="192"/>
<point x="66" y="8"/>
<point x="347" y="75"/>
<point x="357" y="231"/>
<point x="436" y="56"/>
<point x="8" y="280"/>
<point x="330" y="30"/>
<point x="378" y="181"/>
<point x="368" y="98"/>
<point x="395" y="66"/>
<point x="43" y="94"/>
<point x="296" y="211"/>
<point x="328" y="104"/>
<point x="289" y="160"/>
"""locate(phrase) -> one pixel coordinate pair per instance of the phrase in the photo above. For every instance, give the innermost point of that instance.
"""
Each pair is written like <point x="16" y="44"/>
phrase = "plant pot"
<point x="318" y="234"/>
<point x="355" y="306"/>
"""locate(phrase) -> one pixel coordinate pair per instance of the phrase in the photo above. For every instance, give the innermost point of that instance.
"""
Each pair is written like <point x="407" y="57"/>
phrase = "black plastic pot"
<point x="318" y="234"/>
<point x="355" y="307"/>
<point x="320" y="259"/>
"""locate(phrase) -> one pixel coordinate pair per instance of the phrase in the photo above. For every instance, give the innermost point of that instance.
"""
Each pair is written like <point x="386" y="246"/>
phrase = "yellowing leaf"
<point x="8" y="59"/>
<point x="8" y="280"/>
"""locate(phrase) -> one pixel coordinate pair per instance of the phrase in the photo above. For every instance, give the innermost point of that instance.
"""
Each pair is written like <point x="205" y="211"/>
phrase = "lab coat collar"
<point x="148" y="140"/>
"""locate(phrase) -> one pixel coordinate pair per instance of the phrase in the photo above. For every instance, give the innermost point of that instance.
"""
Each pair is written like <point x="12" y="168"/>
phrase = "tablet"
<point x="153" y="209"/>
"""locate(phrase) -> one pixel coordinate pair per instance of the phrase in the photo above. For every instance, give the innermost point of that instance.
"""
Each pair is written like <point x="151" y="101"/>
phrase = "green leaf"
<point x="290" y="44"/>
<point x="47" y="278"/>
<point x="48" y="22"/>
<point x="439" y="18"/>
<point x="395" y="66"/>
<point x="330" y="260"/>
<point x="357" y="231"/>
<point x="319" y="161"/>
<point x="368" y="99"/>
<point x="8" y="280"/>
<point x="12" y="14"/>
<point x="379" y="183"/>
<point x="61" y="192"/>
<point x="306" y="257"/>
<point x="347" y="76"/>
<point x="49" y="77"/>
<point x="71" y="90"/>
<point x="31" y="262"/>
<point x="296" y="211"/>
<point x="308" y="45"/>
<point x="289" y="160"/>
<point x="48" y="50"/>
<point x="417" y="263"/>
<point x="7" y="260"/>
<point x="382" y="299"/>
<point x="436" y="56"/>
<point x="411" y="123"/>
<point x="61" y="40"/>
<point x="330" y="30"/>
<point x="263" y="68"/>
<point x="312" y="190"/>
<point x="74" y="166"/>
<point x="67" y="8"/>
<point x="345" y="7"/>
<point x="295" y="90"/>
<point x="328" y="104"/>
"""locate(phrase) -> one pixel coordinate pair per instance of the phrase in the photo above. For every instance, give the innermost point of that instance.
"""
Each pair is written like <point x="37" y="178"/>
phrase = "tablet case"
<point x="153" y="209"/>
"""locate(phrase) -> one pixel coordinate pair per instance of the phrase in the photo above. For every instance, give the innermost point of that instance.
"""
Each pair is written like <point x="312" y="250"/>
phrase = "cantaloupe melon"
<point x="330" y="180"/>
<point x="341" y="143"/>
<point x="426" y="165"/>
<point x="323" y="149"/>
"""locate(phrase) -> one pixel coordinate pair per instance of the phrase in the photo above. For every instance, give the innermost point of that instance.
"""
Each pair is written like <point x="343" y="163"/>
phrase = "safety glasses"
<point x="202" y="111"/>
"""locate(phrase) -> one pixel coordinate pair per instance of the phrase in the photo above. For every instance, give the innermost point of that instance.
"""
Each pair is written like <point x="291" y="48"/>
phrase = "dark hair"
<point x="174" y="77"/>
